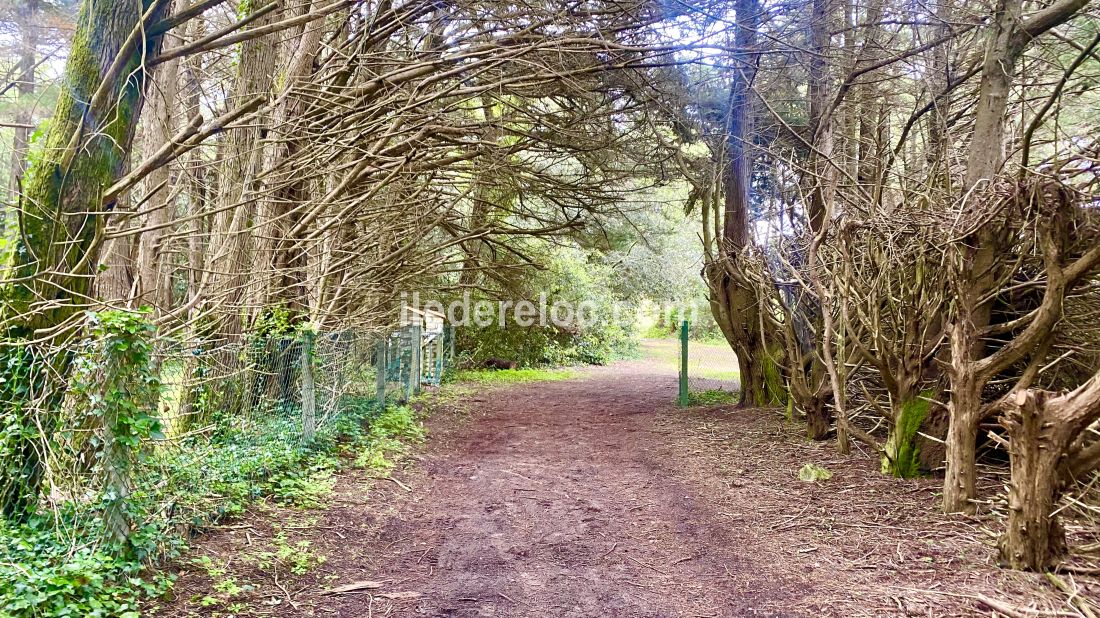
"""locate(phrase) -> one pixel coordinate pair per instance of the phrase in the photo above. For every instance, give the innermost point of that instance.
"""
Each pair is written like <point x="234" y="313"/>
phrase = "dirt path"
<point x="559" y="499"/>
<point x="594" y="497"/>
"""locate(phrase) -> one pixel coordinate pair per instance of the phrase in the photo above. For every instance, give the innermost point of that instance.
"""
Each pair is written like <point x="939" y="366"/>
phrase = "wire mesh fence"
<point x="150" y="433"/>
<point x="708" y="370"/>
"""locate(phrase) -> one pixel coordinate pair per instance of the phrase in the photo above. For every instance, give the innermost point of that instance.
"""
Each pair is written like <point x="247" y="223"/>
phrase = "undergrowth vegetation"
<point x="46" y="569"/>
<point x="712" y="397"/>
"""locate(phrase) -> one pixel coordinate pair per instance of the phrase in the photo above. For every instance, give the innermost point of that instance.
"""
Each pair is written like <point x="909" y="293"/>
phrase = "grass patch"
<point x="512" y="376"/>
<point x="712" y="373"/>
<point x="712" y="397"/>
<point x="706" y="359"/>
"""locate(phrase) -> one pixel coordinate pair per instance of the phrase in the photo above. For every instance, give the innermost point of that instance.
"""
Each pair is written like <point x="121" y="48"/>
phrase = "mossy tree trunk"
<point x="736" y="309"/>
<point x="901" y="453"/>
<point x="62" y="216"/>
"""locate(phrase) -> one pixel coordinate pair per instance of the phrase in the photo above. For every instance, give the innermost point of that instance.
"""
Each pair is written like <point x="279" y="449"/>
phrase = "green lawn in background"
<point x="706" y="359"/>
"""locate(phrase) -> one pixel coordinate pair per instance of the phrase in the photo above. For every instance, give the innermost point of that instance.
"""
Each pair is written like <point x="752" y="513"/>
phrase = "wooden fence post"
<point x="309" y="399"/>
<point x="380" y="372"/>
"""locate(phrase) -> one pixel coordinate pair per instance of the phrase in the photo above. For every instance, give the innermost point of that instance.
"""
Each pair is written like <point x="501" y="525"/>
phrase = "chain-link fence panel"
<point x="146" y="433"/>
<point x="708" y="371"/>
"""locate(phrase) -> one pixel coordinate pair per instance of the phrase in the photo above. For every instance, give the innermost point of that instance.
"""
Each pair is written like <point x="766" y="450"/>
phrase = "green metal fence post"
<point x="438" y="373"/>
<point x="684" y="363"/>
<point x="380" y="375"/>
<point x="425" y="362"/>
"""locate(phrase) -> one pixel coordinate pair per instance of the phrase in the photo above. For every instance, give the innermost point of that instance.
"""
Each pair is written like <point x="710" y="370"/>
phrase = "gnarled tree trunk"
<point x="1042" y="428"/>
<point x="977" y="273"/>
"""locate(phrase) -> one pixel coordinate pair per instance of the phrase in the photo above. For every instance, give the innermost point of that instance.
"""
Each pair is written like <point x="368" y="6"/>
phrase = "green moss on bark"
<point x="775" y="389"/>
<point x="901" y="456"/>
<point x="84" y="153"/>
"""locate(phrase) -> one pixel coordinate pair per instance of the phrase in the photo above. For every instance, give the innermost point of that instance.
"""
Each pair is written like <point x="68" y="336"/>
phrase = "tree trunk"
<point x="736" y="309"/>
<point x="61" y="221"/>
<point x="901" y="453"/>
<point x="153" y="286"/>
<point x="982" y="254"/>
<point x="932" y="440"/>
<point x="964" y="411"/>
<point x="960" y="478"/>
<point x="939" y="80"/>
<point x="761" y="383"/>
<point x="115" y="281"/>
<point x="1042" y="429"/>
<point x="987" y="141"/>
<point x="810" y="385"/>
<point x="194" y="169"/>
<point x="26" y="14"/>
<point x="242" y="156"/>
<point x="1034" y="538"/>
<point x="818" y="418"/>
<point x="194" y="173"/>
<point x="278" y="249"/>
<point x="873" y="116"/>
<point x="734" y="298"/>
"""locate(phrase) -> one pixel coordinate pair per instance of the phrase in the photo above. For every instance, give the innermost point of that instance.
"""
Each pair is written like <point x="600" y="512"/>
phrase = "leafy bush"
<point x="577" y="279"/>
